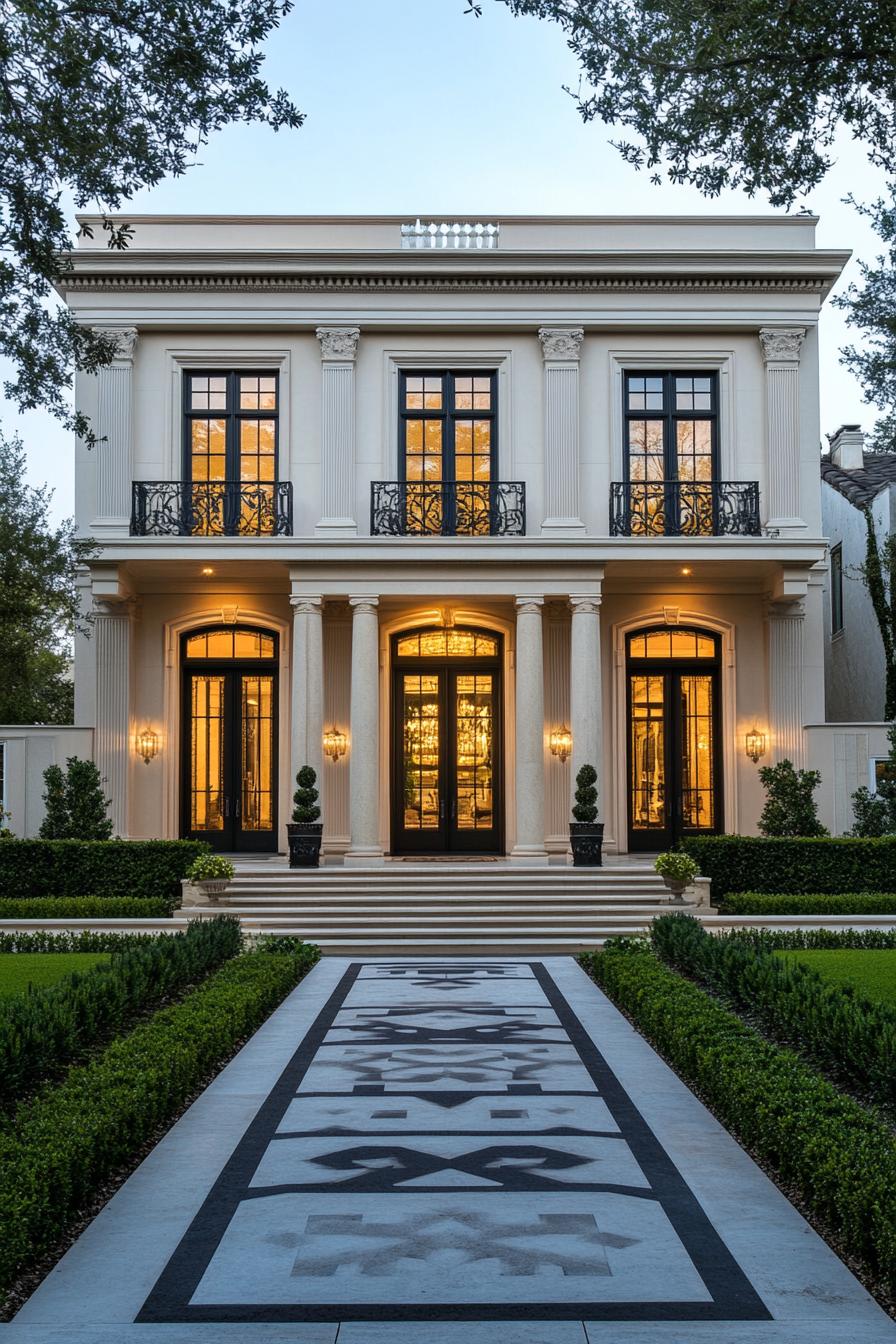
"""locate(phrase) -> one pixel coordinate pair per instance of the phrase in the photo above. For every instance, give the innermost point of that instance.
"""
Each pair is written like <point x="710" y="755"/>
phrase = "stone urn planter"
<point x="210" y="875"/>
<point x="586" y="833"/>
<point x="305" y="832"/>
<point x="678" y="872"/>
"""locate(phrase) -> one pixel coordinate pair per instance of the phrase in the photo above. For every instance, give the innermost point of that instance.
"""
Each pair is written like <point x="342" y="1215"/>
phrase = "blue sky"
<point x="415" y="108"/>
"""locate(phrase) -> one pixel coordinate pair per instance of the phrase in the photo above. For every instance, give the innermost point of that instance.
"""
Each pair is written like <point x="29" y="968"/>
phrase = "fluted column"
<point x="785" y="656"/>
<point x="561" y="347"/>
<point x="585" y="686"/>
<point x="112" y="644"/>
<point x="529" y="847"/>
<point x="364" y="757"/>
<point x="114" y="417"/>
<point x="781" y="348"/>
<point x="307" y="686"/>
<point x="338" y="348"/>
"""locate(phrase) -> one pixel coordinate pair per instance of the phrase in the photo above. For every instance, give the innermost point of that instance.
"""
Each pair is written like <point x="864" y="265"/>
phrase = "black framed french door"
<point x="229" y="751"/>
<point x="674" y="739"/>
<point x="447" y="793"/>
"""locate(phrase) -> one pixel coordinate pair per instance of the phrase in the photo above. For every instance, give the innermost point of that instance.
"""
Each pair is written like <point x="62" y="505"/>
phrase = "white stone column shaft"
<point x="585" y="688"/>
<point x="529" y="846"/>
<point x="307" y="688"/>
<point x="561" y="347"/>
<point x="112" y="744"/>
<point x="781" y="351"/>
<point x="338" y="348"/>
<point x="114" y="429"/>
<point x="364" y="754"/>
<point x="785" y="655"/>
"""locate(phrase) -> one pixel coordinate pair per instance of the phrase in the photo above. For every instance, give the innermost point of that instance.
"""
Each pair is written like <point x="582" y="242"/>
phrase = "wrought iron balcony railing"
<point x="211" y="509"/>
<point x="447" y="508"/>
<point x="684" y="509"/>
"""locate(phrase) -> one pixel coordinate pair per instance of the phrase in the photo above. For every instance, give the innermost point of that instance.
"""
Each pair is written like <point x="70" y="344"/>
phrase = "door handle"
<point x="441" y="809"/>
<point x="226" y="806"/>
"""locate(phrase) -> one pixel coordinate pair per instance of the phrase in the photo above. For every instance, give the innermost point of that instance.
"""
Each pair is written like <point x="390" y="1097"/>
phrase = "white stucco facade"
<point x="561" y="314"/>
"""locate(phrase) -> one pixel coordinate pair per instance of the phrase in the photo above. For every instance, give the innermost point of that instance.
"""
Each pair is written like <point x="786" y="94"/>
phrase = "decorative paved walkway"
<point x="449" y="1152"/>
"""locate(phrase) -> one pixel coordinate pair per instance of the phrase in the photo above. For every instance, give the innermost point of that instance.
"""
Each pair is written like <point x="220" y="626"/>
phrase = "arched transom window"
<point x="231" y="642"/>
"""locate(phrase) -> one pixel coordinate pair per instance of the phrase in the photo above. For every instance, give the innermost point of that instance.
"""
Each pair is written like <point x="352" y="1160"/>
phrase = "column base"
<point x="536" y="855"/>
<point x="785" y="525"/>
<point x="336" y="527"/>
<point x="562" y="527"/>
<point x="364" y="857"/>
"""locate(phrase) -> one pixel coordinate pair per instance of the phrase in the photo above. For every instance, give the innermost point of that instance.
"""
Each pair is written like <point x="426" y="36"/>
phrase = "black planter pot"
<point x="586" y="839"/>
<point x="304" y="843"/>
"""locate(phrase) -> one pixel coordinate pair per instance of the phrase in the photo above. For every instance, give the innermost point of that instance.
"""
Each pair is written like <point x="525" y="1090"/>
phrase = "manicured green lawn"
<point x="18" y="970"/>
<point x="871" y="972"/>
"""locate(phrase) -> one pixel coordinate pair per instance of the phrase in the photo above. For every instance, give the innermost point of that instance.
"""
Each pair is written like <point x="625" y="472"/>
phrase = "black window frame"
<point x="837" y="622"/>
<point x="449" y="415"/>
<point x="233" y="415"/>
<point x="669" y="416"/>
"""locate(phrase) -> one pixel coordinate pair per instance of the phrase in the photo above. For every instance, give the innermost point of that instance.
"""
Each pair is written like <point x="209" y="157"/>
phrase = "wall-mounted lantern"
<point x="561" y="743"/>
<point x="148" y="744"/>
<point x="335" y="743"/>
<point x="755" y="743"/>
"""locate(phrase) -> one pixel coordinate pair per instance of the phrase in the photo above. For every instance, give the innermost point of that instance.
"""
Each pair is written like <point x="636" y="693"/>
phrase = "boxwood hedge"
<point x="69" y="940"/>
<point x="820" y="903"/>
<point x="47" y="1028"/>
<point x="835" y="1152"/>
<point x="86" y="907"/>
<point x="96" y="867"/>
<point x="756" y="864"/>
<point x="70" y="1139"/>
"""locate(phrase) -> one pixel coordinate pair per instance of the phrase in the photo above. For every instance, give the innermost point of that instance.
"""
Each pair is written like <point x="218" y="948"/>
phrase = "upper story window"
<point x="836" y="589"/>
<point x="670" y="452"/>
<point x="231" y="426"/>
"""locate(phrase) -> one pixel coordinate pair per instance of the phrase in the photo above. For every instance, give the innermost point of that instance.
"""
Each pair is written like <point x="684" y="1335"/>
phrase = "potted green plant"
<point x="211" y="874"/>
<point x="677" y="871"/>
<point x="305" y="831"/>
<point x="586" y="833"/>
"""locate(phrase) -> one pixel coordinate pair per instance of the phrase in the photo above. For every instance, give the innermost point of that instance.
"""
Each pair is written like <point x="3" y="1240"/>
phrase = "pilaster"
<point x="338" y="349"/>
<point x="585" y="687"/>
<point x="112" y="740"/>
<point x="307" y="686"/>
<point x="114" y="430"/>
<point x="529" y="846"/>
<point x="785" y="657"/>
<point x="561" y="348"/>
<point x="364" y="750"/>
<point x="781" y="347"/>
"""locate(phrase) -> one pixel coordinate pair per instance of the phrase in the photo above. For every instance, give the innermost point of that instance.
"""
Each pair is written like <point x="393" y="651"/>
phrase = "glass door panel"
<point x="474" y="716"/>
<point x="697" y="754"/>
<point x="206" y="755"/>
<point x="422" y="750"/>
<point x="256" y="805"/>
<point x="648" y="753"/>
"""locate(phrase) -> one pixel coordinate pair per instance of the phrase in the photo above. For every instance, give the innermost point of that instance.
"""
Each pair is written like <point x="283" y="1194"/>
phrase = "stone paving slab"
<point x="449" y="1151"/>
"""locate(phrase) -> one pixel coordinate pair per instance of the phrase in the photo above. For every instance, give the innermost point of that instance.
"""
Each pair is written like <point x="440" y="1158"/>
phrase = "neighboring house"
<point x="853" y="481"/>
<point x="426" y="505"/>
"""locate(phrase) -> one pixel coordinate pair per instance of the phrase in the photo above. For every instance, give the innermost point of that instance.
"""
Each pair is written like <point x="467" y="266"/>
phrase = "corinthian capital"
<point x="781" y="344"/>
<point x="338" y="342"/>
<point x="561" y="343"/>
<point x="125" y="342"/>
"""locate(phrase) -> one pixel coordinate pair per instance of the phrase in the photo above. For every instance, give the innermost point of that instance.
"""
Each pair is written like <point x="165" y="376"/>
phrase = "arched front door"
<point x="229" y="749"/>
<point x="674" y="737"/>
<point x="447" y="794"/>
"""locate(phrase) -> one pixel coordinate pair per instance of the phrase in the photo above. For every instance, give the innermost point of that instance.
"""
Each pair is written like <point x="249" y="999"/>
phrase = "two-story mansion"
<point x="428" y="505"/>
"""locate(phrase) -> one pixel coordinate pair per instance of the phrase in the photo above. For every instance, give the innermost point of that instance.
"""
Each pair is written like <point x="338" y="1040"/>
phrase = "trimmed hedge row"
<point x="846" y="1035"/>
<point x="839" y="1155"/>
<point x="821" y="903"/>
<point x="47" y="1028"/>
<point x="85" y="940"/>
<point x="96" y="867"/>
<point x="86" y="907"/>
<point x="69" y="1140"/>
<point x="755" y="864"/>
<point x="778" y="940"/>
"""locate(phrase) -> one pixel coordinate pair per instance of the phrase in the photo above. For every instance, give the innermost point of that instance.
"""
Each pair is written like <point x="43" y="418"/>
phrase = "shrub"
<point x="84" y="940"/>
<point x="75" y="804"/>
<point x="45" y="1029"/>
<point x="86" y="907"/>
<point x="777" y="940"/>
<point x="819" y="903"/>
<point x="585" y="808"/>
<point x="846" y="1035"/>
<point x="70" y="1139"/>
<point x="305" y="797"/>
<point x="875" y="813"/>
<point x="789" y="804"/>
<point x="749" y="863"/>
<point x="677" y="867"/>
<point x="838" y="1155"/>
<point x="96" y="868"/>
<point x="211" y="868"/>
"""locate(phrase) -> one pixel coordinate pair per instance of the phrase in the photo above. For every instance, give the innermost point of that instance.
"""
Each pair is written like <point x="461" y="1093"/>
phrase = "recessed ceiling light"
<point x="685" y="570"/>
<point x="207" y="569"/>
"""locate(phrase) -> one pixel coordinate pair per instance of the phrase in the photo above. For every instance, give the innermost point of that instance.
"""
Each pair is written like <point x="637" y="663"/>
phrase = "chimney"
<point x="847" y="447"/>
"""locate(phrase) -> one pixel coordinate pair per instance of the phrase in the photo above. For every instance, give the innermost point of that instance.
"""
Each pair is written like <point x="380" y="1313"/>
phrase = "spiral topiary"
<point x="586" y="795"/>
<point x="305" y="797"/>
